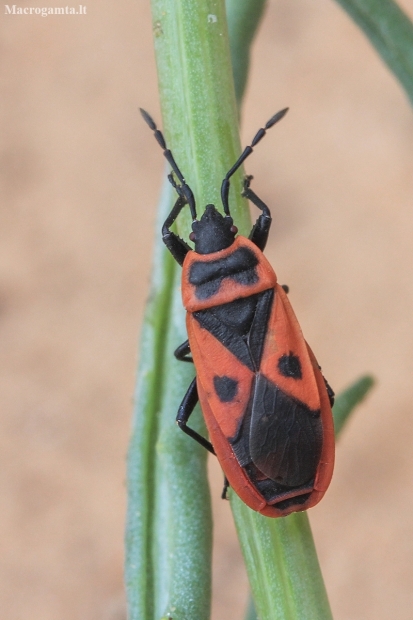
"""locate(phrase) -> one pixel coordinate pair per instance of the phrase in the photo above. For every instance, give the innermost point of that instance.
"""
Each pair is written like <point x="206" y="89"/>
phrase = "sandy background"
<point x="80" y="180"/>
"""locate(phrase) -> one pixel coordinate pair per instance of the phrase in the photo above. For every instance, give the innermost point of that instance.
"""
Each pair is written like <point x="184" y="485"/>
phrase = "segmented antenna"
<point x="246" y="152"/>
<point x="184" y="189"/>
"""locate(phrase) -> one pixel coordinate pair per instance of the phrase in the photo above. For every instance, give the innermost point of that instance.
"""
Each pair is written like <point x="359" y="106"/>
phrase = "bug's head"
<point x="213" y="232"/>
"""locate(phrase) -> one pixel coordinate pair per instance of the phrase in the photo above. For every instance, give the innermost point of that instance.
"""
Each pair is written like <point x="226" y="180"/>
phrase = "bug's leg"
<point x="185" y="409"/>
<point x="183" y="351"/>
<point x="177" y="246"/>
<point x="261" y="228"/>
<point x="225" y="489"/>
<point x="330" y="392"/>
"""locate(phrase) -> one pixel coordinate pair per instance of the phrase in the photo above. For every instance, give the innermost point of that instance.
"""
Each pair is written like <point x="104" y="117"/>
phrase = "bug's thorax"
<point x="213" y="232"/>
<point x="240" y="270"/>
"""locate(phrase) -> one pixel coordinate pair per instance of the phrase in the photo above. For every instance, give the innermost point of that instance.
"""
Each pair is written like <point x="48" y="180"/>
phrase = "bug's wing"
<point x="286" y="437"/>
<point x="286" y="431"/>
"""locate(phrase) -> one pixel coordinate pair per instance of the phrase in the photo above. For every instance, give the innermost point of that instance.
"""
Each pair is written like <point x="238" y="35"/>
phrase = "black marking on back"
<point x="240" y="325"/>
<point x="278" y="442"/>
<point x="290" y="366"/>
<point x="237" y="315"/>
<point x="259" y="326"/>
<point x="286" y="437"/>
<point x="226" y="388"/>
<point x="227" y="337"/>
<point x="207" y="276"/>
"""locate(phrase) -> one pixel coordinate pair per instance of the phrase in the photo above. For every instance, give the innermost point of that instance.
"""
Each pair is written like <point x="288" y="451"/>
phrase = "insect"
<point x="266" y="404"/>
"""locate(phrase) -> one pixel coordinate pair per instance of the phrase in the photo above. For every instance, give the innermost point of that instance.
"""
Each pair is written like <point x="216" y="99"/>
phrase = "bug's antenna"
<point x="184" y="189"/>
<point x="246" y="152"/>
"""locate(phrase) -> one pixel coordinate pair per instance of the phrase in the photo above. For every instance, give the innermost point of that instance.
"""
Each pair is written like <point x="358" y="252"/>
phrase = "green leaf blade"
<point x="347" y="400"/>
<point x="390" y="31"/>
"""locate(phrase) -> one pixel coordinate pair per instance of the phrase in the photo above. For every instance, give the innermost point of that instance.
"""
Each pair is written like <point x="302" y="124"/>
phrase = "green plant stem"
<point x="141" y="455"/>
<point x="282" y="563"/>
<point x="244" y="17"/>
<point x="198" y="99"/>
<point x="199" y="119"/>
<point x="390" y="31"/>
<point x="169" y="522"/>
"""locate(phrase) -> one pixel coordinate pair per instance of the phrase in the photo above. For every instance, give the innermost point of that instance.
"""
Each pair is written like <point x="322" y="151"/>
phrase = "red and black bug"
<point x="266" y="404"/>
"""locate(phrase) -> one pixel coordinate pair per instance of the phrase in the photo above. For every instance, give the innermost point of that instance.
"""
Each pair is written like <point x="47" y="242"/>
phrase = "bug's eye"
<point x="234" y="229"/>
<point x="192" y="236"/>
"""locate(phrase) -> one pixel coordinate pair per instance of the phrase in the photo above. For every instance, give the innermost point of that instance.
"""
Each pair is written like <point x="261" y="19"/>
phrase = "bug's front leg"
<point x="261" y="228"/>
<point x="186" y="408"/>
<point x="177" y="246"/>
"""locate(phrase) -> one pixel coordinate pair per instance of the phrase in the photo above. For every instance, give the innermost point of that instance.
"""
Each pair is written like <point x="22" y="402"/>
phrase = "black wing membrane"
<point x="285" y="438"/>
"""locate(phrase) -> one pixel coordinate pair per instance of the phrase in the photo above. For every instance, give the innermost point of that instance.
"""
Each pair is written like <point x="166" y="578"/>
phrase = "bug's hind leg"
<point x="185" y="409"/>
<point x="183" y="351"/>
<point x="224" y="494"/>
<point x="330" y="392"/>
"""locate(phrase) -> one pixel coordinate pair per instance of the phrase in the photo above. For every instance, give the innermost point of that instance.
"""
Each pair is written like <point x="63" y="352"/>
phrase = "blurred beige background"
<point x="80" y="177"/>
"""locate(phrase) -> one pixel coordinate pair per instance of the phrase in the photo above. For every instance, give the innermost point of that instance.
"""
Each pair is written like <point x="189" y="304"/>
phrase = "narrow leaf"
<point x="244" y="17"/>
<point x="347" y="400"/>
<point x="390" y="31"/>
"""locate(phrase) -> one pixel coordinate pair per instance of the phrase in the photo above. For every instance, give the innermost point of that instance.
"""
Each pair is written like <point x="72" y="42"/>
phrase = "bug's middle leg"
<point x="185" y="409"/>
<point x="182" y="352"/>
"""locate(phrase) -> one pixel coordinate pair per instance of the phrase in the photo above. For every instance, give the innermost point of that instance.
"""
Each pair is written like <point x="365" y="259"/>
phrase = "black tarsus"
<point x="185" y="409"/>
<point x="225" y="489"/>
<point x="183" y="351"/>
<point x="246" y="152"/>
